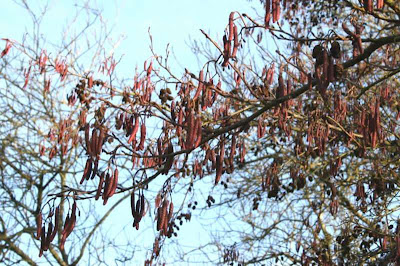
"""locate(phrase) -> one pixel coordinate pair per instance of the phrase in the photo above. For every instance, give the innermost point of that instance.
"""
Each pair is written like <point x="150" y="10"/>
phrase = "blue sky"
<point x="173" y="22"/>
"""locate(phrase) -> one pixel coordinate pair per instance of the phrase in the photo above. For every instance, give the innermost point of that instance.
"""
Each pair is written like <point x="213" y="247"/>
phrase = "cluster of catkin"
<point x="165" y="211"/>
<point x="369" y="5"/>
<point x="47" y="238"/>
<point x="138" y="208"/>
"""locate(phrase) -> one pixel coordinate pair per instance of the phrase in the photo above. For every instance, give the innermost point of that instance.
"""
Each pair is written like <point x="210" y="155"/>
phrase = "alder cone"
<point x="335" y="50"/>
<point x="317" y="51"/>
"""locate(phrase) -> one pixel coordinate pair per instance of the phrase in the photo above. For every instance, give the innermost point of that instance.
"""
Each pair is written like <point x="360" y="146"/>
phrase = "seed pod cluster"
<point x="69" y="225"/>
<point x="227" y="41"/>
<point x="164" y="216"/>
<point x="137" y="208"/>
<point x="108" y="182"/>
<point x="272" y="7"/>
<point x="165" y="95"/>
<point x="47" y="237"/>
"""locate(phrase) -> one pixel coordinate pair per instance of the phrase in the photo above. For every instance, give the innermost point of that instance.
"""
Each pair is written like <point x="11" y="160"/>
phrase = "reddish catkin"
<point x="88" y="151"/>
<point x="38" y="225"/>
<point x="235" y="41"/>
<point x="100" y="141"/>
<point x="90" y="82"/>
<point x="100" y="186"/>
<point x="85" y="171"/>
<point x="114" y="185"/>
<point x="198" y="134"/>
<point x="96" y="167"/>
<point x="106" y="188"/>
<point x="199" y="86"/>
<point x="169" y="160"/>
<point x="93" y="143"/>
<point x="142" y="136"/>
<point x="379" y="4"/>
<point x="190" y="127"/>
<point x="56" y="224"/>
<point x="267" y="17"/>
<point x="230" y="38"/>
<point x="133" y="204"/>
<point x="43" y="240"/>
<point x="135" y="129"/>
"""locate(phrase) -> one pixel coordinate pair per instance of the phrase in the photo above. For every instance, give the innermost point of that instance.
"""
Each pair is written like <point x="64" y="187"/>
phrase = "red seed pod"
<point x="100" y="141"/>
<point x="379" y="4"/>
<point x="235" y="41"/>
<point x="43" y="240"/>
<point x="267" y="17"/>
<point x="88" y="150"/>
<point x="142" y="206"/>
<point x="48" y="236"/>
<point x="233" y="149"/>
<point x="106" y="188"/>
<point x="189" y="131"/>
<point x="96" y="167"/>
<point x="133" y="203"/>
<point x="197" y="136"/>
<point x="100" y="186"/>
<point x="90" y="82"/>
<point x="142" y="136"/>
<point x="159" y="218"/>
<point x="135" y="129"/>
<point x="148" y="72"/>
<point x="270" y="74"/>
<point x="85" y="171"/>
<point x="170" y="211"/>
<point x="158" y="200"/>
<point x="230" y="38"/>
<point x="280" y="92"/>
<point x="169" y="160"/>
<point x="56" y="224"/>
<point x="38" y="225"/>
<point x="114" y="183"/>
<point x="173" y="115"/>
<point x="93" y="142"/>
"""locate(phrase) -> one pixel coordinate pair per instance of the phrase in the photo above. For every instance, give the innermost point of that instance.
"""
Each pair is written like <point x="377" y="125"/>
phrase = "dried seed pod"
<point x="235" y="41"/>
<point x="335" y="50"/>
<point x="317" y="51"/>
<point x="267" y="17"/>
<point x="379" y="4"/>
<point x="106" y="188"/>
<point x="93" y="142"/>
<point x="56" y="224"/>
<point x="280" y="92"/>
<point x="133" y="203"/>
<point x="135" y="129"/>
<point x="114" y="185"/>
<point x="230" y="38"/>
<point x="94" y="171"/>
<point x="100" y="186"/>
<point x="142" y="136"/>
<point x="43" y="240"/>
<point x="86" y="171"/>
<point x="87" y="141"/>
<point x="169" y="160"/>
<point x="142" y="206"/>
<point x="100" y="141"/>
<point x="38" y="225"/>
